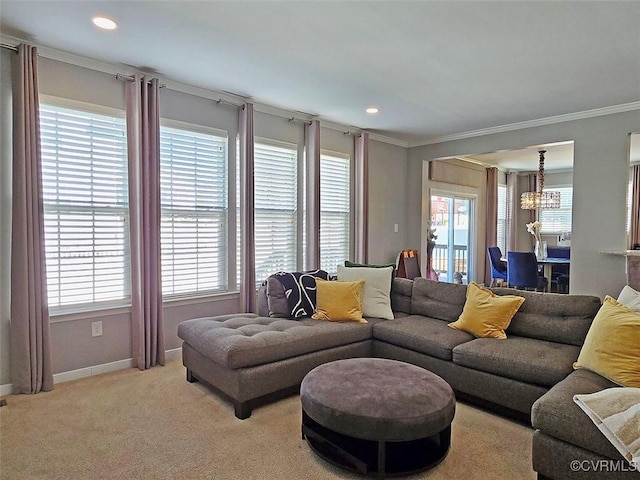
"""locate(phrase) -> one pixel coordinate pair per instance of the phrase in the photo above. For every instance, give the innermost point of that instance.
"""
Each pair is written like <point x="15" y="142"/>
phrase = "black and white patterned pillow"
<point x="300" y="290"/>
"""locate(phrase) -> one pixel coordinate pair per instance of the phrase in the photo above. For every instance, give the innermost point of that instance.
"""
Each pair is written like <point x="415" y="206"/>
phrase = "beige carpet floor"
<point x="154" y="425"/>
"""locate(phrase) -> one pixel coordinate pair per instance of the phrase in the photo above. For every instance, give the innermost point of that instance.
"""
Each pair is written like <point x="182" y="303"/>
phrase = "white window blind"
<point x="194" y="211"/>
<point x="558" y="220"/>
<point x="501" y="233"/>
<point x="335" y="200"/>
<point x="84" y="177"/>
<point x="276" y="200"/>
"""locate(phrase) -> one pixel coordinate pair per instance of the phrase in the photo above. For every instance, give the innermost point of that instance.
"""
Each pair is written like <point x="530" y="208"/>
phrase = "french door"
<point x="453" y="219"/>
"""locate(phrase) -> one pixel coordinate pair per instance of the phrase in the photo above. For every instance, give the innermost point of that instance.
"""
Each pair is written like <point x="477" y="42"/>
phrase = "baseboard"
<point x="173" y="353"/>
<point x="7" y="389"/>
<point x="90" y="371"/>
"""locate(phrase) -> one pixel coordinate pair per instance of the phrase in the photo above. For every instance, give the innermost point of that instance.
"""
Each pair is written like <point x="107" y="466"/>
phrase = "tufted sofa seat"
<point x="251" y="359"/>
<point x="245" y="340"/>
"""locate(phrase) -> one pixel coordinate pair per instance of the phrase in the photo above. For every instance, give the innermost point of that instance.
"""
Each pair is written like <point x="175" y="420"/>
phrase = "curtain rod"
<point x="306" y="122"/>
<point x="131" y="78"/>
<point x="355" y="134"/>
<point x="9" y="47"/>
<point x="225" y="102"/>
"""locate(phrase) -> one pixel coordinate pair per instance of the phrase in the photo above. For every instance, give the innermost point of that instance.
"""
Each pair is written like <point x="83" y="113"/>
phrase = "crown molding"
<point x="390" y="140"/>
<point x="283" y="112"/>
<point x="596" y="112"/>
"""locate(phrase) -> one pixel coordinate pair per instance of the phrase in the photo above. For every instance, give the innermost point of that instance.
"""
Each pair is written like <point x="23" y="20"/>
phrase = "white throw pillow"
<point x="630" y="298"/>
<point x="376" y="300"/>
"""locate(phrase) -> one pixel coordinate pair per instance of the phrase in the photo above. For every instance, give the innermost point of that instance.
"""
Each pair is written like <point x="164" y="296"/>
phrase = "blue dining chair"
<point x="560" y="273"/>
<point x="523" y="271"/>
<point x="498" y="266"/>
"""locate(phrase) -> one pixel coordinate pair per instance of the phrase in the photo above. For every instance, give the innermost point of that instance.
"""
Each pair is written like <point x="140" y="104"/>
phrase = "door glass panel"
<point x="452" y="219"/>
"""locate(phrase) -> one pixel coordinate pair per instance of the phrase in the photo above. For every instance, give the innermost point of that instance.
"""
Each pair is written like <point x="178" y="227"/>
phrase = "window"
<point x="558" y="220"/>
<point x="335" y="200"/>
<point x="193" y="172"/>
<point x="276" y="200"/>
<point x="84" y="180"/>
<point x="629" y="197"/>
<point x="502" y="218"/>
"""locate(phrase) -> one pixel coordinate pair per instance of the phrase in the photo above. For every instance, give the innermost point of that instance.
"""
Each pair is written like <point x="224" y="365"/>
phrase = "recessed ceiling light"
<point x="372" y="110"/>
<point x="104" y="23"/>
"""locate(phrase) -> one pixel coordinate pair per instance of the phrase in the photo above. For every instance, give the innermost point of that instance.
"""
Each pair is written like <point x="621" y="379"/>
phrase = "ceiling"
<point x="558" y="156"/>
<point x="433" y="68"/>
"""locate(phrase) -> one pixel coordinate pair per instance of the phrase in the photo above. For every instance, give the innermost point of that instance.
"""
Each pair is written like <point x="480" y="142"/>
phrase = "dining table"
<point x="548" y="263"/>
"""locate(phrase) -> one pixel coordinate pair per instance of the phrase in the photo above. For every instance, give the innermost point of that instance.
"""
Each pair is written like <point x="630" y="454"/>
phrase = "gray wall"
<point x="387" y="201"/>
<point x="600" y="176"/>
<point x="73" y="346"/>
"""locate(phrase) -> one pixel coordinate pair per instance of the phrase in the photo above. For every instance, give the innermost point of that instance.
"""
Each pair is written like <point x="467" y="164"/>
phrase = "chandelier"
<point x="540" y="199"/>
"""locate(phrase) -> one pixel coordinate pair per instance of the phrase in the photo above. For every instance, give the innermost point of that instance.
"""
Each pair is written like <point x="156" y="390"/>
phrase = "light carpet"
<point x="154" y="425"/>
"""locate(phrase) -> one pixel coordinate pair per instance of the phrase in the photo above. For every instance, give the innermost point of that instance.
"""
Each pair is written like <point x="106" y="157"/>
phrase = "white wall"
<point x="600" y="176"/>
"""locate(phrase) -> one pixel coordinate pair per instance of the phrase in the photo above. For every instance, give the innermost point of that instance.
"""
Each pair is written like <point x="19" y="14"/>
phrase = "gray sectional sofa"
<point x="251" y="359"/>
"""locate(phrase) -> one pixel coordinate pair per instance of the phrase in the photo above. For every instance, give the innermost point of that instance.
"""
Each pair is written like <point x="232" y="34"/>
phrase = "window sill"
<point x="195" y="299"/>
<point x="107" y="311"/>
<point x="96" y="312"/>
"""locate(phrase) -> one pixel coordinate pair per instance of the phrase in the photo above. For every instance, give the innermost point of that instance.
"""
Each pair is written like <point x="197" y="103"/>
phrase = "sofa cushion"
<point x="421" y="334"/>
<point x="339" y="301"/>
<point x="630" y="298"/>
<point x="242" y="340"/>
<point x="437" y="299"/>
<point x="276" y="299"/>
<point x="556" y="414"/>
<point x="263" y="302"/>
<point x="349" y="264"/>
<point x="612" y="346"/>
<point x="486" y="314"/>
<point x="401" y="289"/>
<point x="553" y="317"/>
<point x="376" y="301"/>
<point x="300" y="291"/>
<point x="519" y="358"/>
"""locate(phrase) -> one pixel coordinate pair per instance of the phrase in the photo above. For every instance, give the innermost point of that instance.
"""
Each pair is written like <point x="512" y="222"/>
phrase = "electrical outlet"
<point x="96" y="329"/>
<point x="395" y="227"/>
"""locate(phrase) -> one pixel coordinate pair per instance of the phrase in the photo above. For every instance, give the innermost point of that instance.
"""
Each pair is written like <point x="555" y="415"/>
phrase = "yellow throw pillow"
<point x="339" y="301"/>
<point x="485" y="314"/>
<point x="612" y="346"/>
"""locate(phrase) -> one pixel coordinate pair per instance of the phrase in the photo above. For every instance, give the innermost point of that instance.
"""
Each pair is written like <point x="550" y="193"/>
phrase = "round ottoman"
<point x="376" y="416"/>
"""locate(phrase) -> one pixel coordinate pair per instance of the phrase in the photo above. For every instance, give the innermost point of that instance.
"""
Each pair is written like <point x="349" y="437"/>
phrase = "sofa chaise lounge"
<point x="251" y="358"/>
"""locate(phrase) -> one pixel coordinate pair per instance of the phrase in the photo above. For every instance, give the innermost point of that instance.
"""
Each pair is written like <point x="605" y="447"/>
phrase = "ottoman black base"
<point x="376" y="458"/>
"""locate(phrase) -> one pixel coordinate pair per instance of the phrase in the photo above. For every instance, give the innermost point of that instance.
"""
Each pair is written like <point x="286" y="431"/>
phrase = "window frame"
<point x="72" y="310"/>
<point x="225" y="211"/>
<point x="294" y="214"/>
<point x="555" y="231"/>
<point x="350" y="194"/>
<point x="502" y="241"/>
